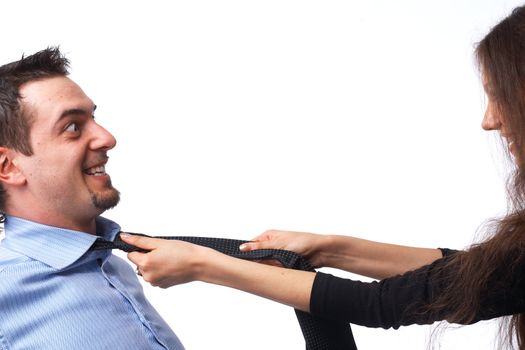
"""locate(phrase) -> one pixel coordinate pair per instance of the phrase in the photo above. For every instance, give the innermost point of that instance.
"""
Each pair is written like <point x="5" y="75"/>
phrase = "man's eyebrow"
<point x="76" y="111"/>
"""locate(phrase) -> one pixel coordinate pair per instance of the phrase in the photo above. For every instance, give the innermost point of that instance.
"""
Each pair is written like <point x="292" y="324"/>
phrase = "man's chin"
<point x="105" y="200"/>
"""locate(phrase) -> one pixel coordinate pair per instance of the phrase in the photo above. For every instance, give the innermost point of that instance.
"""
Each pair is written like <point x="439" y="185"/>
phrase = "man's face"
<point x="65" y="174"/>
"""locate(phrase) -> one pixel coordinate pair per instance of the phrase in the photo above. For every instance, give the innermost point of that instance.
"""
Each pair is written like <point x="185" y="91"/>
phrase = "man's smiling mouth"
<point x="99" y="170"/>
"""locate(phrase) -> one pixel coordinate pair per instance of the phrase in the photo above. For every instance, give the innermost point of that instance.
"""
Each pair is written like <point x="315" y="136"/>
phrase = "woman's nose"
<point x="491" y="120"/>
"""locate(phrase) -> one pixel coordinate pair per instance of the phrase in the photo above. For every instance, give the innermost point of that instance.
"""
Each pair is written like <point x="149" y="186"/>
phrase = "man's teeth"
<point x="96" y="171"/>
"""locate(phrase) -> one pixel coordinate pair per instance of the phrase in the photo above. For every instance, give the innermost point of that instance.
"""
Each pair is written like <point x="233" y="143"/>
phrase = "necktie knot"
<point x="102" y="244"/>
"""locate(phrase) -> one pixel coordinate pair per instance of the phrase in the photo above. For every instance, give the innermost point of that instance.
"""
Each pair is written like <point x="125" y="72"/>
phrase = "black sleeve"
<point x="396" y="301"/>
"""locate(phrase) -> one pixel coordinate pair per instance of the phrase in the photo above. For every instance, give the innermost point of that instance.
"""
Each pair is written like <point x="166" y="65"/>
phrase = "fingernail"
<point x="243" y="247"/>
<point x="124" y="235"/>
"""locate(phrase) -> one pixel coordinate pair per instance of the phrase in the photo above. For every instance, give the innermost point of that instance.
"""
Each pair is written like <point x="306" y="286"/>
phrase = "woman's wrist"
<point x="337" y="251"/>
<point x="324" y="246"/>
<point x="204" y="265"/>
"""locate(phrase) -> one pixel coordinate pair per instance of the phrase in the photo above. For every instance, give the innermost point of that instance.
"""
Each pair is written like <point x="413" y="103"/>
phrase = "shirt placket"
<point x="112" y="279"/>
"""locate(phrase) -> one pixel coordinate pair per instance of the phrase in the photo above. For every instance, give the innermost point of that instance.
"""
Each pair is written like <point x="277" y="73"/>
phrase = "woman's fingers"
<point x="136" y="258"/>
<point x="262" y="241"/>
<point x="147" y="243"/>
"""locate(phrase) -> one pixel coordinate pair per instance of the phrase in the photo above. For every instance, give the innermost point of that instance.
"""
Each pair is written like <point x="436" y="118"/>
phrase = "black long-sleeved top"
<point x="389" y="303"/>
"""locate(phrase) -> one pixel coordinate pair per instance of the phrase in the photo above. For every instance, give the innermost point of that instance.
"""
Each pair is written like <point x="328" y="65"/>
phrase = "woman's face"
<point x="493" y="119"/>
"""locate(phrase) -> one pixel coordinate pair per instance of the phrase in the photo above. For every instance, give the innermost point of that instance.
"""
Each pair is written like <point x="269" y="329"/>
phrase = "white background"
<point x="233" y="117"/>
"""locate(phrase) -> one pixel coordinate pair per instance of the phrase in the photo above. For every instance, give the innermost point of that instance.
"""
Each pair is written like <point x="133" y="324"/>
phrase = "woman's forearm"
<point x="290" y="287"/>
<point x="373" y="259"/>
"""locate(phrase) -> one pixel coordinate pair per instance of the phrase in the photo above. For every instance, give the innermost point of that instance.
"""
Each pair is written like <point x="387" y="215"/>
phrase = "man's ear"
<point x="10" y="174"/>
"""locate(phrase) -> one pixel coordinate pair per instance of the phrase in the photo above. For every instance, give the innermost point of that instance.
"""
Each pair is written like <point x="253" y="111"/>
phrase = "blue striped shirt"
<point x="55" y="294"/>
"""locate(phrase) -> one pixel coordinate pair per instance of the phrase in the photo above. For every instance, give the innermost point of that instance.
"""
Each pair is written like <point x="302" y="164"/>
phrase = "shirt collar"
<point x="54" y="246"/>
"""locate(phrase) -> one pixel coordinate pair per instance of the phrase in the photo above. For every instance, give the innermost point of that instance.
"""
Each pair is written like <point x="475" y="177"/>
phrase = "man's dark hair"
<point x="14" y="123"/>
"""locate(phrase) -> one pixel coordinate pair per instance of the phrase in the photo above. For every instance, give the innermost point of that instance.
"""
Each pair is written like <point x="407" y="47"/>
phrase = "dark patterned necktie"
<point x="319" y="334"/>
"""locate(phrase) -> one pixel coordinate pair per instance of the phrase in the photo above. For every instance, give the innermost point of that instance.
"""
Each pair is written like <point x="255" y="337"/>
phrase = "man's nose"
<point x="102" y="139"/>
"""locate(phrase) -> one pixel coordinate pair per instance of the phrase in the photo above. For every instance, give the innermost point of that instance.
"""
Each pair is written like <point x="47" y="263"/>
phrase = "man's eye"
<point x="73" y="127"/>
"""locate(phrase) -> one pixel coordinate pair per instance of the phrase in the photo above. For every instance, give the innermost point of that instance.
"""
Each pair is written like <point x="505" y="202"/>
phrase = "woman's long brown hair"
<point x="494" y="263"/>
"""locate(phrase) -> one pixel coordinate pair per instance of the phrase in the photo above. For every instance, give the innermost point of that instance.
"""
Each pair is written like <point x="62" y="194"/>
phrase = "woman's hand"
<point x="168" y="262"/>
<point x="309" y="245"/>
